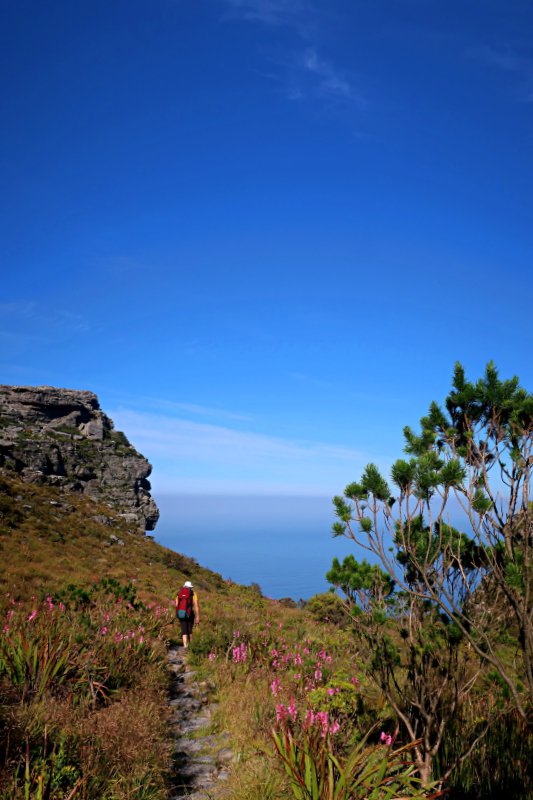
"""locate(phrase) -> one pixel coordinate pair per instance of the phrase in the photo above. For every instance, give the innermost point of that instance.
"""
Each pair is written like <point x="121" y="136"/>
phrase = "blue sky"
<point x="262" y="231"/>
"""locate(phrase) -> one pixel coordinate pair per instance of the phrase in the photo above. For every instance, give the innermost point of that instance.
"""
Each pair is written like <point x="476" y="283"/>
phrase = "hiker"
<point x="187" y="611"/>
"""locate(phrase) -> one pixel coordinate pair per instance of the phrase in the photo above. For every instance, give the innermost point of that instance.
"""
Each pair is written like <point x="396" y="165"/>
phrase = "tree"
<point x="471" y="460"/>
<point x="416" y="653"/>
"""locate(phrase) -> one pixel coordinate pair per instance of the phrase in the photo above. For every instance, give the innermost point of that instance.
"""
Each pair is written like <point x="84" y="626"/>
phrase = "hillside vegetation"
<point x="87" y="617"/>
<point x="86" y="622"/>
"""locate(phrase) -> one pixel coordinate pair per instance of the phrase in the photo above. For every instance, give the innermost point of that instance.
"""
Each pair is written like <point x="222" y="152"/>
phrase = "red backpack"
<point x="184" y="609"/>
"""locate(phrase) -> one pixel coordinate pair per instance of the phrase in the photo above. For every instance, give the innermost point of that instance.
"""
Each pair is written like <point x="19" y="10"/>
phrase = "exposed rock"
<point x="201" y="762"/>
<point x="225" y="755"/>
<point x="62" y="437"/>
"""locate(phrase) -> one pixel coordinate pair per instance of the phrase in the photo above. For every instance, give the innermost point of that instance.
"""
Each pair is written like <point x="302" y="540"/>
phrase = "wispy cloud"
<point x="330" y="80"/>
<point x="312" y="380"/>
<point x="303" y="71"/>
<point x="200" y="457"/>
<point x="505" y="58"/>
<point x="306" y="75"/>
<point x="24" y="309"/>
<point x="509" y="59"/>
<point x="267" y="12"/>
<point x="195" y="409"/>
<point x="28" y="319"/>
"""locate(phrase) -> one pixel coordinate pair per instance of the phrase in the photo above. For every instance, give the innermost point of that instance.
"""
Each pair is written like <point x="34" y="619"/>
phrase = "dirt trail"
<point x="201" y="763"/>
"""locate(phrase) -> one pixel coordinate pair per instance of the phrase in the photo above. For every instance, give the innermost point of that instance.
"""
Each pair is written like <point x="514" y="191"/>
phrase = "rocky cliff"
<point x="62" y="437"/>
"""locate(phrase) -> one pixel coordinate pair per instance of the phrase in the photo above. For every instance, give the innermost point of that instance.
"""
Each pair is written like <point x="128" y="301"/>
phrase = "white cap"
<point x="188" y="584"/>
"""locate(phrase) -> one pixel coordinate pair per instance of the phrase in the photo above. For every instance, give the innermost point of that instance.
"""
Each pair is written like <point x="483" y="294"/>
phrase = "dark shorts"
<point x="186" y="626"/>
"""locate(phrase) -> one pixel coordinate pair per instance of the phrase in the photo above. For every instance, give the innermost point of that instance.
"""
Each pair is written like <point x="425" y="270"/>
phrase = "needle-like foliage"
<point x="456" y="538"/>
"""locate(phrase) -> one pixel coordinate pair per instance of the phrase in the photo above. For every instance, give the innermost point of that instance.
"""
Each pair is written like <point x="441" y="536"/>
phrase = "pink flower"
<point x="309" y="718"/>
<point x="141" y="639"/>
<point x="281" y="713"/>
<point x="275" y="687"/>
<point x="104" y="630"/>
<point x="331" y="692"/>
<point x="5" y="629"/>
<point x="322" y="655"/>
<point x="32" y="615"/>
<point x="291" y="709"/>
<point x="354" y="679"/>
<point x="334" y="727"/>
<point x="212" y="655"/>
<point x="318" y="674"/>
<point x="306" y="651"/>
<point x="297" y="659"/>
<point x="236" y="634"/>
<point x="240" y="654"/>
<point x="297" y="676"/>
<point x="386" y="738"/>
<point x="321" y="717"/>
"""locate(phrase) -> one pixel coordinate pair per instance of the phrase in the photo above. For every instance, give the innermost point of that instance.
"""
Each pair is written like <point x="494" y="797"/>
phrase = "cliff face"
<point x="62" y="437"/>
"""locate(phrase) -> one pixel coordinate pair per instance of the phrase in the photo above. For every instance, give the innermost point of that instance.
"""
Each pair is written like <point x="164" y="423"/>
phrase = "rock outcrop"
<point x="62" y="437"/>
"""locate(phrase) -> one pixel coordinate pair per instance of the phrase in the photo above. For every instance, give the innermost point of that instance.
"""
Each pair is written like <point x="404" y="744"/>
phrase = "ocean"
<point x="284" y="544"/>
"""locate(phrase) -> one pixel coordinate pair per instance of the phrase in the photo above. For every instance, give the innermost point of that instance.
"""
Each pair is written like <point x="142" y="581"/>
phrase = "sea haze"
<point x="282" y="543"/>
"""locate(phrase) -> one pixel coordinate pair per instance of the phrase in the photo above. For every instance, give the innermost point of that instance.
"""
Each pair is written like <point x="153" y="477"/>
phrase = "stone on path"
<point x="200" y="763"/>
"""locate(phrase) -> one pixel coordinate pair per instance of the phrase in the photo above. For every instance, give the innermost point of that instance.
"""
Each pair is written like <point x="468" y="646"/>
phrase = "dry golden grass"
<point x="129" y="737"/>
<point x="47" y="541"/>
<point x="258" y="778"/>
<point x="44" y="546"/>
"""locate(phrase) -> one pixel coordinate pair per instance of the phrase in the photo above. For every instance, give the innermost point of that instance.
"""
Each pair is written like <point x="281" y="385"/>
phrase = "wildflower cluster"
<point x="316" y="710"/>
<point x="81" y="650"/>
<point x="320" y="720"/>
<point x="240" y="653"/>
<point x="300" y="664"/>
<point x="49" y="643"/>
